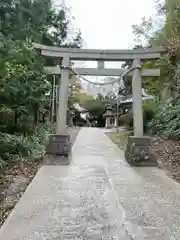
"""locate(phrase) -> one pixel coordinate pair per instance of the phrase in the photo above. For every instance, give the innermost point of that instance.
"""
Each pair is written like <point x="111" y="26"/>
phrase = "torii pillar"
<point x="138" y="150"/>
<point x="59" y="143"/>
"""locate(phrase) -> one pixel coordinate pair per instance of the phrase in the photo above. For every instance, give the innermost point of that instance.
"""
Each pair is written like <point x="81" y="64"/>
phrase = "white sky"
<point x="107" y="24"/>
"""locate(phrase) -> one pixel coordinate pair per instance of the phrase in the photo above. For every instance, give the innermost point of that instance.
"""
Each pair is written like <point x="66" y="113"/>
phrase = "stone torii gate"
<point x="138" y="148"/>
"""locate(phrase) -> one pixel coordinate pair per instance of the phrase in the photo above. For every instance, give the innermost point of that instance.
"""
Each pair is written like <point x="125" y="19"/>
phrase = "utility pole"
<point x="53" y="99"/>
<point x="117" y="112"/>
<point x="117" y="108"/>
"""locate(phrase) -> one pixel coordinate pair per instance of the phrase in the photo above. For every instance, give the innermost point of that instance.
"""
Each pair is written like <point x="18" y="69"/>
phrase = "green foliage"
<point x="23" y="82"/>
<point x="161" y="118"/>
<point x="167" y="118"/>
<point x="148" y="113"/>
<point x="126" y="120"/>
<point x="77" y="95"/>
<point x="95" y="107"/>
<point x="166" y="35"/>
<point x="13" y="147"/>
<point x="25" y="88"/>
<point x="34" y="20"/>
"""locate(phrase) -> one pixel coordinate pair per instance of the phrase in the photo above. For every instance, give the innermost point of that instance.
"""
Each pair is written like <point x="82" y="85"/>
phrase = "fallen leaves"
<point x="21" y="171"/>
<point x="168" y="155"/>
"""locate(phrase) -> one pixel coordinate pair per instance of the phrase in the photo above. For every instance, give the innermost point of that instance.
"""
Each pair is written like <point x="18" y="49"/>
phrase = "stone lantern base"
<point x="139" y="152"/>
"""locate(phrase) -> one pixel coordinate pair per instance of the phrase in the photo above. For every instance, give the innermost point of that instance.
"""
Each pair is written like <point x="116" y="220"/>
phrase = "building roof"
<point x="79" y="108"/>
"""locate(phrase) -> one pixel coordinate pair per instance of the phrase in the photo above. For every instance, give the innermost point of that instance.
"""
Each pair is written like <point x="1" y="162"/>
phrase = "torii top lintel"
<point x="100" y="55"/>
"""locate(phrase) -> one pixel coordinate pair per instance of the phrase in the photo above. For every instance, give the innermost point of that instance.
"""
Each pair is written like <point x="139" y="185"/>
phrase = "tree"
<point x="143" y="32"/>
<point x="25" y="87"/>
<point x="21" y="23"/>
<point x="167" y="36"/>
<point x="166" y="119"/>
<point x="96" y="107"/>
<point x="23" y="81"/>
<point x="77" y="95"/>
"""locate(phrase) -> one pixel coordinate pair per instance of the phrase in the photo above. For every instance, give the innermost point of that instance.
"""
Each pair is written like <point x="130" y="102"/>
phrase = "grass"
<point x="119" y="138"/>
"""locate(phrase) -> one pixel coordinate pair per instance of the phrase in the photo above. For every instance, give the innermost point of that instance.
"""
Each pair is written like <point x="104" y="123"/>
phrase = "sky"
<point x="107" y="24"/>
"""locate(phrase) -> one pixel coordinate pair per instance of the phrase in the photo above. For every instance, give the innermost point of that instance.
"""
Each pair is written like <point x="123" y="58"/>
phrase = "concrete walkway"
<point x="97" y="197"/>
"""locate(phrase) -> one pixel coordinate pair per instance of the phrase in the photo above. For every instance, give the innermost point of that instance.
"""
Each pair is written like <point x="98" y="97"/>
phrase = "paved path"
<point x="97" y="196"/>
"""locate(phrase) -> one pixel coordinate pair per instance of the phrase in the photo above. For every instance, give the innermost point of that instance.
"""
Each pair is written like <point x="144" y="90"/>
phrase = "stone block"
<point x="140" y="141"/>
<point x="59" y="145"/>
<point x="139" y="152"/>
<point x="59" y="138"/>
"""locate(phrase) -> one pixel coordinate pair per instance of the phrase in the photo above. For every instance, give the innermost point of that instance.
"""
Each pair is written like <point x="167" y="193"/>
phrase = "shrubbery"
<point x="13" y="147"/>
<point x="126" y="120"/>
<point x="167" y="119"/>
<point x="148" y="113"/>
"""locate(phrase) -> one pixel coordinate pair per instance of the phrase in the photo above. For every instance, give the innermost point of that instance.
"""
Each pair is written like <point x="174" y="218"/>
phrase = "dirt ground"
<point x="168" y="155"/>
<point x="14" y="180"/>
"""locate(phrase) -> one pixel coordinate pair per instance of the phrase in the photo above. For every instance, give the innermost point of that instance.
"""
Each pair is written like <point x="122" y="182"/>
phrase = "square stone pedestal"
<point x="59" y="145"/>
<point x="139" y="152"/>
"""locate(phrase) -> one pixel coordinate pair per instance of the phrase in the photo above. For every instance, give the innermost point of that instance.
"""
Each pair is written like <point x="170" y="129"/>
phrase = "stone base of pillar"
<point x="59" y="145"/>
<point x="139" y="152"/>
<point x="108" y="127"/>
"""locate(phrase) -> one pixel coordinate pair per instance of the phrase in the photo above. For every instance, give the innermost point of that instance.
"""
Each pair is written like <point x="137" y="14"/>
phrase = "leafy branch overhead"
<point x="164" y="30"/>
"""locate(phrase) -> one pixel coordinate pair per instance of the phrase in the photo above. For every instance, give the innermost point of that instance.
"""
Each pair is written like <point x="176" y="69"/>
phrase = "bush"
<point x="126" y="120"/>
<point x="149" y="110"/>
<point x="148" y="113"/>
<point x="161" y="118"/>
<point x="167" y="119"/>
<point x="172" y="128"/>
<point x="13" y="147"/>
